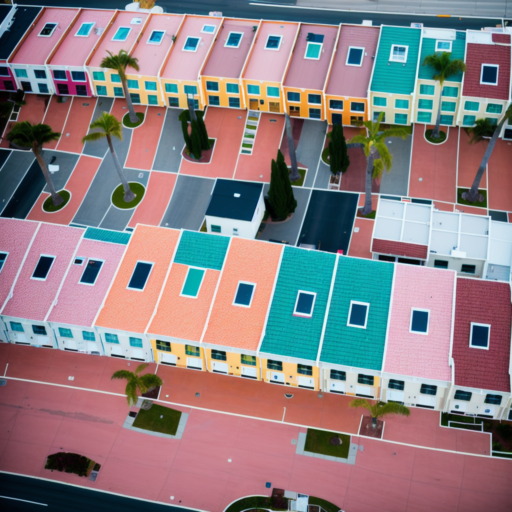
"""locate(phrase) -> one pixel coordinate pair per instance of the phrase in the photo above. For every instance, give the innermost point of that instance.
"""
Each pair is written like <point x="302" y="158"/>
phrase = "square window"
<point x="376" y="116"/>
<point x="462" y="395"/>
<point x="273" y="43"/>
<point x="16" y="327"/>
<point x="214" y="101"/>
<point x="273" y="92"/>
<point x="192" y="283"/>
<point x="400" y="118"/>
<point x="450" y="92"/>
<point x="156" y="37"/>
<point x="304" y="304"/>
<point x="63" y="88"/>
<point x="468" y="269"/>
<point x="355" y="56"/>
<point x="164" y="346"/>
<point x="403" y="104"/>
<point x="315" y="113"/>
<point x="447" y="120"/>
<point x="424" y="117"/>
<point x="479" y="335"/>
<point x="152" y="99"/>
<point x="208" y="29"/>
<point x="219" y="355"/>
<point x="443" y="46"/>
<point x="472" y="106"/>
<point x="427" y="90"/>
<point x="4" y="71"/>
<point x="212" y="86"/>
<point x="48" y="30"/>
<point x="191" y="350"/>
<point x="244" y="294"/>
<point x="293" y="96"/>
<point x="191" y="44"/>
<point x="468" y="120"/>
<point x="174" y="102"/>
<point x="336" y="104"/>
<point x="253" y="89"/>
<point x="398" y="53"/>
<point x="494" y="108"/>
<point x="135" y="98"/>
<point x="3" y="258"/>
<point x="234" y="102"/>
<point x="428" y="389"/>
<point x="135" y="342"/>
<point x="43" y="267"/>
<point x="489" y="74"/>
<point x="115" y="79"/>
<point x="493" y="399"/>
<point x="43" y="88"/>
<point x="78" y="76"/>
<point x="172" y="88"/>
<point x="21" y="73"/>
<point x="492" y="120"/>
<point x="356" y="106"/>
<point x="99" y="76"/>
<point x="65" y="333"/>
<point x="274" y="365"/>
<point x="396" y="384"/>
<point x="425" y="104"/>
<point x="88" y="336"/>
<point x="91" y="271"/>
<point x="419" y="321"/>
<point x="338" y="375"/>
<point x="118" y="92"/>
<point x="84" y="30"/>
<point x="133" y="84"/>
<point x="190" y="89"/>
<point x="314" y="99"/>
<point x="232" y="89"/>
<point x="39" y="329"/>
<point x="40" y="74"/>
<point x="150" y="86"/>
<point x="448" y="106"/>
<point x="216" y="229"/>
<point x="313" y="51"/>
<point x="304" y="369"/>
<point x="26" y="86"/>
<point x="358" y="314"/>
<point x="121" y="34"/>
<point x="365" y="379"/>
<point x="111" y="338"/>
<point x="234" y="39"/>
<point x="140" y="275"/>
<point x="379" y="101"/>
<point x="440" y="264"/>
<point x="248" y="360"/>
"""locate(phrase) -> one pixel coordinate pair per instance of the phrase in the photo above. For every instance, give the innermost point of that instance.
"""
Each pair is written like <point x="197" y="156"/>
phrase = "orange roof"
<point x="131" y="310"/>
<point x="235" y="326"/>
<point x="184" y="317"/>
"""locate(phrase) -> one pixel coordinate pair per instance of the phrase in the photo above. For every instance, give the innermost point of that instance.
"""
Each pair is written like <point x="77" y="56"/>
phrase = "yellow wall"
<point x="291" y="377"/>
<point x="182" y="97"/>
<point x="222" y="93"/>
<point x="178" y="350"/>
<point x="346" y="113"/>
<point x="263" y="95"/>
<point x="390" y="110"/>
<point x="143" y="93"/>
<point x="304" y="105"/>
<point x="107" y="83"/>
<point x="234" y="362"/>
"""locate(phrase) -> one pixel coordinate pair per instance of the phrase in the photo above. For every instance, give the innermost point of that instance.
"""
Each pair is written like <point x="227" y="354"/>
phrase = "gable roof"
<point x="234" y="199"/>
<point x="23" y="18"/>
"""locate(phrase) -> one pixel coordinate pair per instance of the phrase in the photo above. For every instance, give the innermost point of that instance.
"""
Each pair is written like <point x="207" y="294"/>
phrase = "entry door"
<point x="396" y="396"/>
<point x="168" y="358"/>
<point x="195" y="363"/>
<point x="219" y="367"/>
<point x="277" y="378"/>
<point x="337" y="387"/>
<point x="250" y="373"/>
<point x="337" y="119"/>
<point x="92" y="347"/>
<point x="306" y="382"/>
<point x="274" y="106"/>
<point x="294" y="111"/>
<point x="426" y="400"/>
<point x="253" y="105"/>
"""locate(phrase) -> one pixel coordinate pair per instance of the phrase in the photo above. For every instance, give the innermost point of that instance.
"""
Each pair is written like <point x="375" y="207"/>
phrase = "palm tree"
<point x="143" y="382"/>
<point x="110" y="126"/>
<point x="379" y="409"/>
<point x="375" y="141"/>
<point x="119" y="63"/>
<point x="34" y="136"/>
<point x="444" y="68"/>
<point x="483" y="129"/>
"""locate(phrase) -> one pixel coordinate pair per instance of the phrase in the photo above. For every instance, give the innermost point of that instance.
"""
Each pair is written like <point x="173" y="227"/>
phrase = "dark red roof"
<point x="478" y="54"/>
<point x="484" y="302"/>
<point x="399" y="249"/>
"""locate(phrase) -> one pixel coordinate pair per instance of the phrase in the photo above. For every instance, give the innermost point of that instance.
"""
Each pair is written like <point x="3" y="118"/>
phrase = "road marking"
<point x="6" y="366"/>
<point x="25" y="501"/>
<point x="284" y="414"/>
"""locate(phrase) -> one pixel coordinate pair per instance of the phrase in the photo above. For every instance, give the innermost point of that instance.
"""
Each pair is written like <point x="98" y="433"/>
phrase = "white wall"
<point x="28" y="337"/>
<point x="123" y="349"/>
<point x="77" y="342"/>
<point x="32" y="78"/>
<point x="456" y="264"/>
<point x="477" y="403"/>
<point x="350" y="386"/>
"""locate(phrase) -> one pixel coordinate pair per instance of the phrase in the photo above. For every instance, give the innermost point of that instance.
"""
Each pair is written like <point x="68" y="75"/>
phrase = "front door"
<point x="138" y="354"/>
<point x="489" y="410"/>
<point x="253" y="104"/>
<point x="294" y="111"/>
<point x="116" y="351"/>
<point x="70" y="345"/>
<point x="274" y="106"/>
<point x="195" y="363"/>
<point x="337" y="119"/>
<point x="219" y="367"/>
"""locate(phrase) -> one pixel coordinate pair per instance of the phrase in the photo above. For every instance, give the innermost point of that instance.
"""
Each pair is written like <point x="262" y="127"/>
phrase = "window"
<point x="4" y="71"/>
<point x="234" y="102"/>
<point x="253" y="89"/>
<point x="314" y="99"/>
<point x="140" y="275"/>
<point x="336" y="104"/>
<point x="118" y="92"/>
<point x="65" y="333"/>
<point x="43" y="88"/>
<point x="396" y="384"/>
<point x="440" y="264"/>
<point x="473" y="106"/>
<point x="376" y="117"/>
<point x="99" y="76"/>
<point x="156" y="37"/>
<point x="133" y="84"/>
<point x="135" y="98"/>
<point x="115" y="79"/>
<point x="219" y="355"/>
<point x="193" y="282"/>
<point x="379" y="101"/>
<point x="356" y="107"/>
<point x="398" y="53"/>
<point x="338" y="375"/>
<point x="43" y="267"/>
<point x="425" y="104"/>
<point x="234" y="39"/>
<point x="48" y="30"/>
<point x="9" y="86"/>
<point x="428" y="389"/>
<point x="355" y="56"/>
<point x="174" y="102"/>
<point x="191" y="44"/>
<point x="3" y="257"/>
<point x="444" y="46"/>
<point x="468" y="120"/>
<point x="463" y="395"/>
<point x="273" y="92"/>
<point x="84" y="30"/>
<point x="111" y="338"/>
<point x="59" y="74"/>
<point x="164" y="346"/>
<point x="304" y="369"/>
<point x="479" y="335"/>
<point x="244" y="294"/>
<point x="232" y="89"/>
<point x="248" y="360"/>
<point x="358" y="314"/>
<point x="315" y="113"/>
<point x="88" y="336"/>
<point x="493" y="399"/>
<point x="313" y="51"/>
<point x="273" y="43"/>
<point x="447" y="120"/>
<point x="212" y="86"/>
<point x="274" y="365"/>
<point x="208" y="29"/>
<point x="39" y="329"/>
<point x="190" y="350"/>
<point x="494" y="108"/>
<point x="365" y="379"/>
<point x="493" y="121"/>
<point x="16" y="327"/>
<point x="468" y="269"/>
<point x="121" y="34"/>
<point x="21" y="73"/>
<point x="216" y="229"/>
<point x="214" y="101"/>
<point x="78" y="76"/>
<point x="40" y="74"/>
<point x="294" y="96"/>
<point x="419" y="321"/>
<point x="450" y="92"/>
<point x="190" y="89"/>
<point x="150" y="86"/>
<point x="135" y="342"/>
<point x="152" y="99"/>
<point x="489" y="74"/>
<point x="448" y="106"/>
<point x="427" y="90"/>
<point x="172" y="88"/>
<point x="304" y="304"/>
<point x="400" y="118"/>
<point x="424" y="117"/>
<point x="91" y="271"/>
<point x="403" y="104"/>
<point x="63" y="88"/>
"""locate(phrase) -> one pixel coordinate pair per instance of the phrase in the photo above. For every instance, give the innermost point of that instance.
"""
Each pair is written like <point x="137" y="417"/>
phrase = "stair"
<point x="251" y="127"/>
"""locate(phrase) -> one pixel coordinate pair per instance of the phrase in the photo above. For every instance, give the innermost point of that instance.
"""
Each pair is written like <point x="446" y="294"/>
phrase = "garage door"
<point x="18" y="337"/>
<point x="167" y="358"/>
<point x="250" y="373"/>
<point x="337" y="387"/>
<point x="219" y="367"/>
<point x="42" y="340"/>
<point x="116" y="351"/>
<point x="306" y="382"/>
<point x="69" y="344"/>
<point x="396" y="396"/>
<point x="365" y="391"/>
<point x="195" y="363"/>
<point x="276" y="377"/>
<point x="459" y="406"/>
<point x="138" y="354"/>
<point x="426" y="401"/>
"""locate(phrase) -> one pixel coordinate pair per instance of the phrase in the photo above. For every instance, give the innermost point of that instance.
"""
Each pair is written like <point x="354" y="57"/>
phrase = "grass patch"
<point x="468" y="420"/>
<point x="325" y="156"/>
<point x="252" y="502"/>
<point x="203" y="227"/>
<point x="150" y="420"/>
<point x="442" y="137"/>
<point x="369" y="216"/>
<point x="318" y="441"/>
<point x="326" y="505"/>
<point x="246" y="145"/>
<point x="48" y="205"/>
<point x="483" y="204"/>
<point x="129" y="124"/>
<point x="300" y="182"/>
<point x="118" y="196"/>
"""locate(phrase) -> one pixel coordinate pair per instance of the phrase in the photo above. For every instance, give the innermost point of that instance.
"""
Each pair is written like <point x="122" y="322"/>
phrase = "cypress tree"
<point x="205" y="143"/>
<point x="291" y="202"/>
<point x="277" y="193"/>
<point x="195" y="140"/>
<point x="338" y="154"/>
<point x="184" y="118"/>
<point x="345" y="160"/>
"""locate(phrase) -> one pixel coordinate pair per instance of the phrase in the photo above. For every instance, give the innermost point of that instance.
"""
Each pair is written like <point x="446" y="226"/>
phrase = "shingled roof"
<point x="400" y="249"/>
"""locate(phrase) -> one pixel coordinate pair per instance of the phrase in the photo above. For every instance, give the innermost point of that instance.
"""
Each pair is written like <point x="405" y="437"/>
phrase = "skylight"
<point x="193" y="282"/>
<point x="48" y="29"/>
<point x="78" y="261"/>
<point x="121" y="34"/>
<point x="273" y="43"/>
<point x="91" y="271"/>
<point x="358" y="314"/>
<point x="191" y="44"/>
<point x="479" y="336"/>
<point x="419" y="321"/>
<point x="244" y="294"/>
<point x="140" y="275"/>
<point x="156" y="37"/>
<point x="444" y="46"/>
<point x="355" y="56"/>
<point x="313" y="51"/>
<point x="398" y="53"/>
<point x="208" y="29"/>
<point x="43" y="267"/>
<point x="85" y="29"/>
<point x="3" y="257"/>
<point x="234" y="39"/>
<point x="489" y="74"/>
<point x="304" y="304"/>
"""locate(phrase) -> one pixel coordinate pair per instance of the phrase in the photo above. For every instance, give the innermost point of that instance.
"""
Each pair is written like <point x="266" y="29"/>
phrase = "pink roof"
<point x="77" y="303"/>
<point x="225" y="61"/>
<point x="15" y="238"/>
<point x="36" y="49"/>
<point x="123" y="19"/>
<point x="269" y="65"/>
<point x="186" y="65"/>
<point x="311" y="73"/>
<point x="32" y="298"/>
<point x="353" y="81"/>
<point x="151" y="56"/>
<point x="420" y="355"/>
<point x="74" y="50"/>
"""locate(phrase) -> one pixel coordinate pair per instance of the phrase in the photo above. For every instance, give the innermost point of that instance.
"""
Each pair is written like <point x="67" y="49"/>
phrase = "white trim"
<point x="278" y="46"/>
<point x="367" y="304"/>
<point x="319" y="53"/>
<point x="304" y="315"/>
<point x="226" y="45"/>
<point x="56" y="23"/>
<point x="392" y="58"/>
<point x="163" y="32"/>
<point x="128" y="287"/>
<point x="117" y="31"/>
<point x="92" y="23"/>
<point x="482" y="73"/>
<point x="348" y="55"/>
<point x="195" y="49"/>
<point x="49" y="270"/>
<point x="428" y="321"/>
<point x="471" y="335"/>
<point x="236" y="293"/>
<point x="200" y="284"/>
<point x="85" y="268"/>
<point x="203" y="31"/>
<point x="441" y="49"/>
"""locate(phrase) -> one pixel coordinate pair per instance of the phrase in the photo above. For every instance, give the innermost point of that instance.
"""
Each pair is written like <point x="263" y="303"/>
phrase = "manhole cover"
<point x="336" y="441"/>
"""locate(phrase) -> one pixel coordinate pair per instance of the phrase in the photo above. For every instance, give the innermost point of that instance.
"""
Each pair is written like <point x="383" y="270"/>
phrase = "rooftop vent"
<point x="136" y="21"/>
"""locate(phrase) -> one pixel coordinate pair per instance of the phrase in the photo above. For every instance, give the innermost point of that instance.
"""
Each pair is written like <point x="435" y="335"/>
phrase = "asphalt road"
<point x="48" y="496"/>
<point x="244" y="9"/>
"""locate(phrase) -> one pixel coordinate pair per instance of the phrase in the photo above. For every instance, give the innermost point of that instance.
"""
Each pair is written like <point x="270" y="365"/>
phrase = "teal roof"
<point x="202" y="250"/>
<point x="395" y="77"/>
<point x="105" y="235"/>
<point x="294" y="336"/>
<point x="364" y="281"/>
<point x="428" y="47"/>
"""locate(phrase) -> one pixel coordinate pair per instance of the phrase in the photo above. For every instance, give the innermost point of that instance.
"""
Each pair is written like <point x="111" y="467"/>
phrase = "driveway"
<point x="396" y="181"/>
<point x="14" y="168"/>
<point x="310" y="147"/>
<point x="99" y="147"/>
<point x="168" y="154"/>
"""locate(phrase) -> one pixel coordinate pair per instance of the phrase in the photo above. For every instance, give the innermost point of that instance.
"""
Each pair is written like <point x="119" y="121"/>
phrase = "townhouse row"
<point x="252" y="309"/>
<point x="341" y="74"/>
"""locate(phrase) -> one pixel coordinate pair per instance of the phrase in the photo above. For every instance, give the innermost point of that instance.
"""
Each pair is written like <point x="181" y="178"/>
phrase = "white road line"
<point x="5" y="371"/>
<point x="65" y="121"/>
<point x="284" y="414"/>
<point x="25" y="501"/>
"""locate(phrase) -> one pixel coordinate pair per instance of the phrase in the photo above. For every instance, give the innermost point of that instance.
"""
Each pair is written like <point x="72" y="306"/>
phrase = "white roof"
<point x="500" y="251"/>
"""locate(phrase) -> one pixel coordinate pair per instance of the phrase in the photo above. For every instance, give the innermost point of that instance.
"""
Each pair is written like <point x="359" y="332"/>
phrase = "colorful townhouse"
<point x="305" y="78"/>
<point x="37" y="284"/>
<point x="481" y="350"/>
<point x="67" y="60"/>
<point x="394" y="75"/>
<point x="416" y="365"/>
<point x="129" y="305"/>
<point x="221" y="73"/>
<point x="179" y="75"/>
<point x="121" y="33"/>
<point x="428" y="91"/>
<point x="183" y="309"/>
<point x="291" y="336"/>
<point x="15" y="22"/>
<point x="28" y="60"/>
<point x="353" y="342"/>
<point x="264" y="71"/>
<point x="83" y="290"/>
<point x="153" y="45"/>
<point x="486" y="84"/>
<point x="348" y="79"/>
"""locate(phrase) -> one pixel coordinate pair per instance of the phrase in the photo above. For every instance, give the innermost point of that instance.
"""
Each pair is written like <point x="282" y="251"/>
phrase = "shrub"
<point x="69" y="463"/>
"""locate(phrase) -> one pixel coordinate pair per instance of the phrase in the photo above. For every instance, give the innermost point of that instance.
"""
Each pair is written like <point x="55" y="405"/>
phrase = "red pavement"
<point x="77" y="124"/>
<point x="500" y="177"/>
<point x="470" y="156"/>
<point x="56" y="116"/>
<point x="360" y="243"/>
